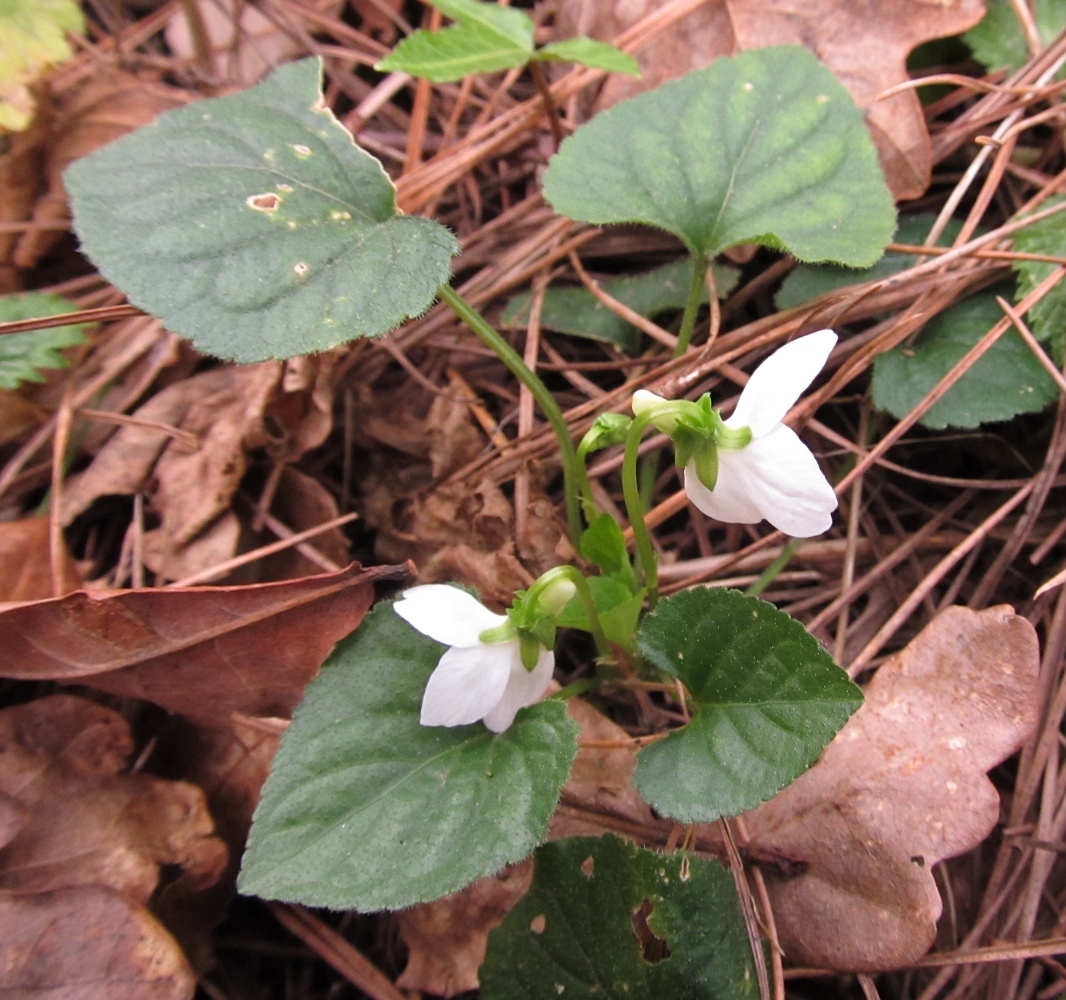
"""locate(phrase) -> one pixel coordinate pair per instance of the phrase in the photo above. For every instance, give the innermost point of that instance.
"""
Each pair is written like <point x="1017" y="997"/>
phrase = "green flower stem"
<point x="588" y="505"/>
<point x="585" y="593"/>
<point x="768" y="575"/>
<point x="507" y="354"/>
<point x="649" y="564"/>
<point x="692" y="305"/>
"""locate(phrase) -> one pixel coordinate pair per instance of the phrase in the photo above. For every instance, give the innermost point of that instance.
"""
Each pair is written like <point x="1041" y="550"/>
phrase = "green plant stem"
<point x="507" y="354"/>
<point x="692" y="305"/>
<point x="574" y="575"/>
<point x="588" y="505"/>
<point x="649" y="564"/>
<point x="768" y="575"/>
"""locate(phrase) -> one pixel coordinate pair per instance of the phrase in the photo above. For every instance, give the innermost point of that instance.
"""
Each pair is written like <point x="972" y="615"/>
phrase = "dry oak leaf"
<point x="86" y="821"/>
<point x="902" y="786"/>
<point x="84" y="857"/>
<point x="205" y="652"/>
<point x="865" y="44"/>
<point x="446" y="939"/>
<point x="87" y="942"/>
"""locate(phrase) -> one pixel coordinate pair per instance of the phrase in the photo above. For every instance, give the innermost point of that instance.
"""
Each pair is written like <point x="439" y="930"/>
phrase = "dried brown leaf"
<point x="25" y="568"/>
<point x="865" y="44"/>
<point x="18" y="416"/>
<point x="84" y="943"/>
<point x="230" y="765"/>
<point x="600" y="787"/>
<point x="104" y="105"/>
<point x="446" y="939"/>
<point x="191" y="486"/>
<point x="302" y="502"/>
<point x="202" y="651"/>
<point x="86" y="821"/>
<point x="903" y="786"/>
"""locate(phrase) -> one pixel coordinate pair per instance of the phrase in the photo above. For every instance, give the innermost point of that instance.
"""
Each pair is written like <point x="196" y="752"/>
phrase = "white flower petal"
<point x="524" y="687"/>
<point x="777" y="383"/>
<point x="781" y="477"/>
<point x="447" y="614"/>
<point x="727" y="501"/>
<point x="467" y="684"/>
<point x="643" y="400"/>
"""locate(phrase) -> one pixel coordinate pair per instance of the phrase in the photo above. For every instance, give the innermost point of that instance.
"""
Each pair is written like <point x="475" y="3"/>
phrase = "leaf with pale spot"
<point x="254" y="226"/>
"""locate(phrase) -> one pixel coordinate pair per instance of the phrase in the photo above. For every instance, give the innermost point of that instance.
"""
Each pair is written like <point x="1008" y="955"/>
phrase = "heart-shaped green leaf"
<point x="766" y="147"/>
<point x="486" y="37"/>
<point x="367" y="809"/>
<point x="606" y="920"/>
<point x="254" y="226"/>
<point x="765" y="698"/>
<point x="1005" y="381"/>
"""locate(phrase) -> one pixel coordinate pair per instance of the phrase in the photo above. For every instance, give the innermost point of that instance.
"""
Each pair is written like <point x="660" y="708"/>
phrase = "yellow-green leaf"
<point x="32" y="38"/>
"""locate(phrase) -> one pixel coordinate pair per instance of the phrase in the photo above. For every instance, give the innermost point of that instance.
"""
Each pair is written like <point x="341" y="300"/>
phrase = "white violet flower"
<point x="770" y="474"/>
<point x="475" y="679"/>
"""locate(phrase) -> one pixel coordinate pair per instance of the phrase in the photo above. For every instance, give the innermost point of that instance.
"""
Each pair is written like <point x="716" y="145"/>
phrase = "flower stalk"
<point x="545" y="400"/>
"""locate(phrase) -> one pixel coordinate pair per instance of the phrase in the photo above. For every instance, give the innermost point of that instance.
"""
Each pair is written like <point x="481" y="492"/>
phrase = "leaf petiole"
<point x="521" y="371"/>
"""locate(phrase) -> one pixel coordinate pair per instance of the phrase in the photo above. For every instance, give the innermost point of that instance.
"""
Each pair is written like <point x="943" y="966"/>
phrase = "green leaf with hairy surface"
<point x="254" y="226"/>
<point x="578" y="312"/>
<point x="1005" y="381"/>
<point x="766" y="147"/>
<point x="590" y="52"/>
<point x="607" y="920"/>
<point x="367" y="809"/>
<point x="807" y="281"/>
<point x="765" y="699"/>
<point x="997" y="40"/>
<point x="484" y="39"/>
<point x="24" y="355"/>
<point x="1047" y="319"/>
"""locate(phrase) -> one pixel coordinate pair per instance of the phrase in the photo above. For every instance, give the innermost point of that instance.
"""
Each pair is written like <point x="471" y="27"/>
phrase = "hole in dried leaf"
<point x="588" y="866"/>
<point x="538" y="923"/>
<point x="653" y="948"/>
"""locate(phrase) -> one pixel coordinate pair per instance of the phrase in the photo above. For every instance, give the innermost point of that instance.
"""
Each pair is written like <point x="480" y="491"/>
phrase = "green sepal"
<point x="706" y="464"/>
